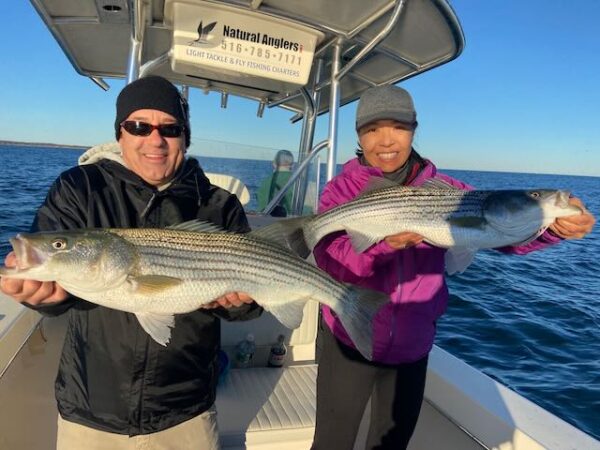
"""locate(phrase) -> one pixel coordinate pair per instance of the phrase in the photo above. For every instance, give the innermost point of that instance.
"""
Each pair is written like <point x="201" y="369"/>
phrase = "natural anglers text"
<point x="261" y="38"/>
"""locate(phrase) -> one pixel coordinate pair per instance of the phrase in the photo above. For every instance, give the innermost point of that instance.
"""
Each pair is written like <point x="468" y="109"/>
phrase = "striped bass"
<point x="462" y="221"/>
<point x="156" y="273"/>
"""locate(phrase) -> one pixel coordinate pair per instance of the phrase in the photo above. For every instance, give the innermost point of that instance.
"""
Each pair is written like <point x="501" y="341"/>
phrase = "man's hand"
<point x="30" y="291"/>
<point x="229" y="300"/>
<point x="403" y="240"/>
<point x="574" y="227"/>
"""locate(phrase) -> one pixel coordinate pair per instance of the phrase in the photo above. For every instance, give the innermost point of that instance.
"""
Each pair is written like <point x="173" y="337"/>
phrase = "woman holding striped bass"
<point x="401" y="265"/>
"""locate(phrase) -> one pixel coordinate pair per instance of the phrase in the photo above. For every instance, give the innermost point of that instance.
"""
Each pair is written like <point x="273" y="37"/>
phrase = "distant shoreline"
<point x="43" y="144"/>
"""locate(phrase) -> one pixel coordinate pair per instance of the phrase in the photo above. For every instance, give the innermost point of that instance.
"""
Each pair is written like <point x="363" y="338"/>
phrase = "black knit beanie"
<point x="152" y="92"/>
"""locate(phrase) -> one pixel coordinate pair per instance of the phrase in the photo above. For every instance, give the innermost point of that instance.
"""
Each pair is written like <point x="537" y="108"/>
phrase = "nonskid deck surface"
<point x="28" y="413"/>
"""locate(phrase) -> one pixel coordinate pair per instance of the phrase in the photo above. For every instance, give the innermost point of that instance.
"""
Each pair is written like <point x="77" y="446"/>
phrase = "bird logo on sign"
<point x="203" y="34"/>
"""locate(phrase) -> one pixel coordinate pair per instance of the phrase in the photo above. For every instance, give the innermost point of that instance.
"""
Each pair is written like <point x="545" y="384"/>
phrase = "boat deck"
<point x="278" y="412"/>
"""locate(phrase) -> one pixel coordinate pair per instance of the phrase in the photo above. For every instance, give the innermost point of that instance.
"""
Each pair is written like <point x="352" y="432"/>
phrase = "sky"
<point x="524" y="96"/>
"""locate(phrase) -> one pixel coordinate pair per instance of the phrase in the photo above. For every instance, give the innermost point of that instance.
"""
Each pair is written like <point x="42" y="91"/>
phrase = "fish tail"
<point x="298" y="242"/>
<point x="356" y="313"/>
<point x="289" y="233"/>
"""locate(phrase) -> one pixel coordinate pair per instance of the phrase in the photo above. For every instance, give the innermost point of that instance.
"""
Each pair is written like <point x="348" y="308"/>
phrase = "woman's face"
<point x="386" y="144"/>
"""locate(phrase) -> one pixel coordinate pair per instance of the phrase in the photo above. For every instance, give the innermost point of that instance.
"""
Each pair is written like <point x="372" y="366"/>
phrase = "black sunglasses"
<point x="137" y="128"/>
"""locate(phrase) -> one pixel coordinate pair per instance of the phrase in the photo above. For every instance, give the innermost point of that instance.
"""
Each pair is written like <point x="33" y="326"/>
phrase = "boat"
<point x="310" y="58"/>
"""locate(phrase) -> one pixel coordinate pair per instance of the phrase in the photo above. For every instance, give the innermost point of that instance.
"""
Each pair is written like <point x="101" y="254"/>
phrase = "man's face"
<point x="154" y="158"/>
<point x="386" y="144"/>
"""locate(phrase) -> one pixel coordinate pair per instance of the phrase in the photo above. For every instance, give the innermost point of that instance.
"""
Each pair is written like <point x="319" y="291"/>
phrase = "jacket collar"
<point x="429" y="170"/>
<point x="189" y="176"/>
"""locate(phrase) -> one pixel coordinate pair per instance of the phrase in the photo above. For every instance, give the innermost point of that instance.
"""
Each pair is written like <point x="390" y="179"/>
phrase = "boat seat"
<point x="231" y="184"/>
<point x="268" y="408"/>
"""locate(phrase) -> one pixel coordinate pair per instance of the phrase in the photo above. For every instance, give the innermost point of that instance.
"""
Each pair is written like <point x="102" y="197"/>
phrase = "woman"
<point x="410" y="271"/>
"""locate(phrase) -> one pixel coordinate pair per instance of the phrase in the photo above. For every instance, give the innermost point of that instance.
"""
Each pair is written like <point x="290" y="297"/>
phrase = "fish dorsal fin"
<point x="198" y="226"/>
<point x="457" y="259"/>
<point x="376" y="183"/>
<point x="152" y="284"/>
<point x="361" y="240"/>
<point x="289" y="314"/>
<point x="158" y="326"/>
<point x="437" y="183"/>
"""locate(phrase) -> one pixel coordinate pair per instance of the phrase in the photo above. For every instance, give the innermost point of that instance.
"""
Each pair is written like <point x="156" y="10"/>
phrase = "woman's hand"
<point x="576" y="226"/>
<point x="230" y="300"/>
<point x="403" y="240"/>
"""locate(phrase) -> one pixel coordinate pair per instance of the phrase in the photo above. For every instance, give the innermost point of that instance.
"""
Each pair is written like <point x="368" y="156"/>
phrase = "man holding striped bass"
<point x="117" y="387"/>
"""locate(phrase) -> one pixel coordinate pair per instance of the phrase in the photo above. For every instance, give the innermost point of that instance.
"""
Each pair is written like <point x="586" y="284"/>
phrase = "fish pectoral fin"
<point x="468" y="221"/>
<point x="158" y="326"/>
<point x="289" y="314"/>
<point x="361" y="241"/>
<point x="458" y="259"/>
<point x="152" y="284"/>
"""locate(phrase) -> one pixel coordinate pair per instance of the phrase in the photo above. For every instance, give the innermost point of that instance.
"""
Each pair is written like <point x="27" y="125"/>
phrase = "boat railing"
<point x="17" y="323"/>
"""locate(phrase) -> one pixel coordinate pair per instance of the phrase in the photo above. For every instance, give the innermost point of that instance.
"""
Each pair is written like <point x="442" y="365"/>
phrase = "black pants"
<point x="346" y="381"/>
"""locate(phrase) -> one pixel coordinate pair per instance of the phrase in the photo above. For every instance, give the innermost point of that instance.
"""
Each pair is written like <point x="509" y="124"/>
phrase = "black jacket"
<point x="112" y="375"/>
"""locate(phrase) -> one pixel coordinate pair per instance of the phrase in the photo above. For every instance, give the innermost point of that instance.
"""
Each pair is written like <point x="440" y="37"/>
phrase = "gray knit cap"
<point x="385" y="103"/>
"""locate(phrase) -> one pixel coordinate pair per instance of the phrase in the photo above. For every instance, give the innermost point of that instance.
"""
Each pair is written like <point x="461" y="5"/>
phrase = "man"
<point x="116" y="387"/>
<point x="282" y="166"/>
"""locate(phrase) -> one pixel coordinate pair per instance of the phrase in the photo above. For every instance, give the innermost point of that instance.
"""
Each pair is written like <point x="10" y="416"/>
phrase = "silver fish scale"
<point x="226" y="261"/>
<point x="386" y="209"/>
<point x="415" y="202"/>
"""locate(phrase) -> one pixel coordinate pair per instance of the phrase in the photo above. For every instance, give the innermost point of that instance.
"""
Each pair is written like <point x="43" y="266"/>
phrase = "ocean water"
<point x="531" y="322"/>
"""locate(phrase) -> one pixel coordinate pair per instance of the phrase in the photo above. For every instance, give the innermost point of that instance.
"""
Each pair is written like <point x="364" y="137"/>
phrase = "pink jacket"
<point x="404" y="329"/>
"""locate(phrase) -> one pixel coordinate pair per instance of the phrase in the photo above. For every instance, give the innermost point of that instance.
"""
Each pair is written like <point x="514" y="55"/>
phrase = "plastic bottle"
<point x="278" y="352"/>
<point x="223" y="364"/>
<point x="245" y="351"/>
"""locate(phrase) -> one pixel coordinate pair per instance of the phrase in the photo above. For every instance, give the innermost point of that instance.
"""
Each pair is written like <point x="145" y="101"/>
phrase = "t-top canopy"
<point x="415" y="36"/>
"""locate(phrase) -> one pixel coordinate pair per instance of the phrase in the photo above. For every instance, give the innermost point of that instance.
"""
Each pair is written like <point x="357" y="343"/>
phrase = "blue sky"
<point x="524" y="96"/>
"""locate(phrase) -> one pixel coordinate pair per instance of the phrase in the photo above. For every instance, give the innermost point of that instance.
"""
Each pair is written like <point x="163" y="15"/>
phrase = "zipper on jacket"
<point x="148" y="205"/>
<point x="394" y="309"/>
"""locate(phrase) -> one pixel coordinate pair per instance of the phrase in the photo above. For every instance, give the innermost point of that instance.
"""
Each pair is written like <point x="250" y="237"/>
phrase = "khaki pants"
<point x="199" y="433"/>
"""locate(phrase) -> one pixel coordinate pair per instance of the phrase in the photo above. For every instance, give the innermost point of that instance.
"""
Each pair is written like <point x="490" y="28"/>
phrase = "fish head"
<point x="521" y="213"/>
<point x="82" y="259"/>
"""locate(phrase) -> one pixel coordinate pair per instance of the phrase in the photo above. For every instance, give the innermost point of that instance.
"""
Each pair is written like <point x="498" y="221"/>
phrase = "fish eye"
<point x="59" y="244"/>
<point x="535" y="194"/>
